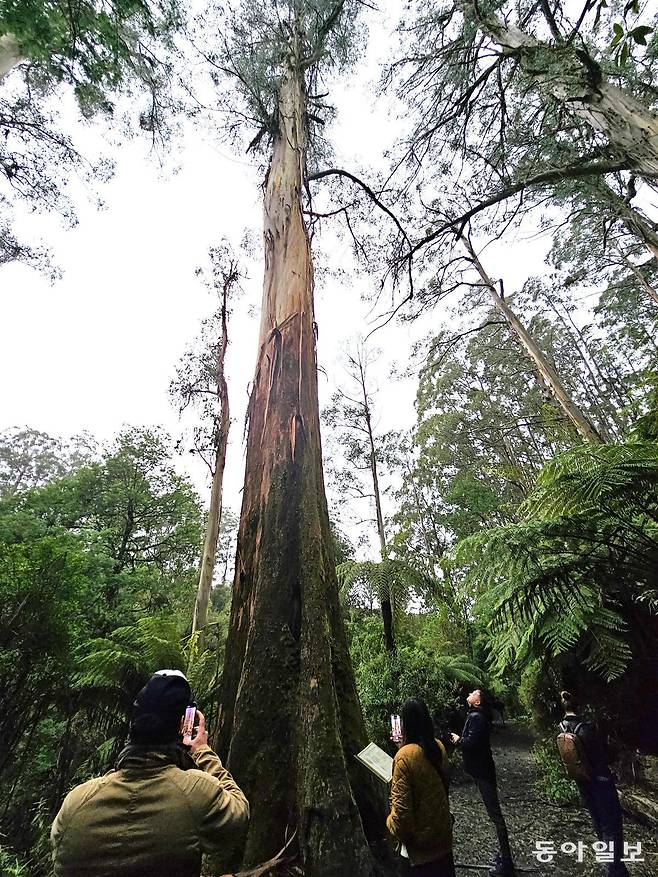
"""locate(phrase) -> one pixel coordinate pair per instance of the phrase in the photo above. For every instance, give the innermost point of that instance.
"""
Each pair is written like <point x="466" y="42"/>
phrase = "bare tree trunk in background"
<point x="638" y="226"/>
<point x="200" y="617"/>
<point x="385" y="599"/>
<point x="642" y="280"/>
<point x="10" y="54"/>
<point x="547" y="373"/>
<point x="290" y="719"/>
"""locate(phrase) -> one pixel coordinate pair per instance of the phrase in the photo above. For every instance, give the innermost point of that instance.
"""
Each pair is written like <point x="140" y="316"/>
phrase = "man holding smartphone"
<point x="164" y="805"/>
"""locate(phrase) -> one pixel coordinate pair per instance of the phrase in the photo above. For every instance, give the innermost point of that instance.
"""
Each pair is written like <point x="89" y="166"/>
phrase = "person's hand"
<point x="201" y="736"/>
<point x="455" y="738"/>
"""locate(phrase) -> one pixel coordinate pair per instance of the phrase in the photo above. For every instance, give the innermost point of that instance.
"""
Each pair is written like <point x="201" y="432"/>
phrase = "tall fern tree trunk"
<point x="545" y="371"/>
<point x="211" y="535"/>
<point x="290" y="718"/>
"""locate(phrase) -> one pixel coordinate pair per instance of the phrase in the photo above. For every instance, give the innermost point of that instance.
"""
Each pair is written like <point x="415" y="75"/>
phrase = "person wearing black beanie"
<point x="162" y="807"/>
<point x="158" y="707"/>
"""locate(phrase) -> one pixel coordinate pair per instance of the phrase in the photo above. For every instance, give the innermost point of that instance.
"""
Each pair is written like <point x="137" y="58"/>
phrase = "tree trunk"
<point x="572" y="77"/>
<point x="642" y="280"/>
<point x="290" y="718"/>
<point x="385" y="599"/>
<point x="636" y="223"/>
<point x="545" y="370"/>
<point x="10" y="54"/>
<point x="200" y="617"/>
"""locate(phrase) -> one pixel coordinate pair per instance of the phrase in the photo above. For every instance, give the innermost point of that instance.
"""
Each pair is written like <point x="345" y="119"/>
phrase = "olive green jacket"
<point x="149" y="817"/>
<point x="420" y="813"/>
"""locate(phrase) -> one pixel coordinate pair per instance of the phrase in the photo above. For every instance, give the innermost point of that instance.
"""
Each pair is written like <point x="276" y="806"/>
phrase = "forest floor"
<point x="530" y="818"/>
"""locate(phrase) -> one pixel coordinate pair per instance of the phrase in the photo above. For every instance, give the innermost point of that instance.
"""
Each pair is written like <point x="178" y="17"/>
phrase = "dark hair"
<point x="417" y="727"/>
<point x="569" y="702"/>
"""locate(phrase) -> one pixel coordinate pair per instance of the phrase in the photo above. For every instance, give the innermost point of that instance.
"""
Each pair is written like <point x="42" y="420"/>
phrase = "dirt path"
<point x="531" y="818"/>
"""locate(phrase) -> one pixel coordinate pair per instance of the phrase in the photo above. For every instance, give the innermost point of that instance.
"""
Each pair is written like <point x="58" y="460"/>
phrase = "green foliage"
<point x="97" y="583"/>
<point x="538" y="692"/>
<point x="390" y="579"/>
<point x="92" y="45"/>
<point x="262" y="40"/>
<point x="418" y="669"/>
<point x="122" y="662"/>
<point x="99" y="49"/>
<point x="29" y="458"/>
<point x="553" y="782"/>
<point x="11" y="865"/>
<point x="568" y="577"/>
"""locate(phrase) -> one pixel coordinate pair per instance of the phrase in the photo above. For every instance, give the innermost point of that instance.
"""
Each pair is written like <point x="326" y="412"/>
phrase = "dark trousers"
<point x="489" y="792"/>
<point x="444" y="867"/>
<point x="600" y="797"/>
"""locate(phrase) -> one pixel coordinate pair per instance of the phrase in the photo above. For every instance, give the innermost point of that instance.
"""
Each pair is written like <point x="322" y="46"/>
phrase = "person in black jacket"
<point x="478" y="760"/>
<point x="599" y="793"/>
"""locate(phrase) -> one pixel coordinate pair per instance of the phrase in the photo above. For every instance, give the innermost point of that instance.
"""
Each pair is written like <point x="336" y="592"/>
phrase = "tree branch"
<point x="565" y="173"/>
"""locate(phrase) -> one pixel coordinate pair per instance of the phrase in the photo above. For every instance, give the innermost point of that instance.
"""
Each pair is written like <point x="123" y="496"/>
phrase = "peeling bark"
<point x="573" y="77"/>
<point x="290" y="720"/>
<point x="547" y="374"/>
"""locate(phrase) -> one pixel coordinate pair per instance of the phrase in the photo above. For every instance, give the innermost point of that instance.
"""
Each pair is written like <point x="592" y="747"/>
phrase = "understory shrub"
<point x="553" y="781"/>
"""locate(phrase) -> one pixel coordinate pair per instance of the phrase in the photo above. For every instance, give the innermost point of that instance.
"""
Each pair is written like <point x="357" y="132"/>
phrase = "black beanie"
<point x="159" y="707"/>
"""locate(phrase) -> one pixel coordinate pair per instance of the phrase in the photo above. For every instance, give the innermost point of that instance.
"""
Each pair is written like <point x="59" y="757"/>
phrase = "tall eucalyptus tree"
<point x="290" y="719"/>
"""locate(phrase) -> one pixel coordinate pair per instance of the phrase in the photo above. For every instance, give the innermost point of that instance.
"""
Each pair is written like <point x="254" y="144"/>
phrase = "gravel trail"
<point x="530" y="818"/>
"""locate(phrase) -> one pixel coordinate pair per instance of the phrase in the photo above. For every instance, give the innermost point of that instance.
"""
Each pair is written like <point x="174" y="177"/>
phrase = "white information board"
<point x="378" y="761"/>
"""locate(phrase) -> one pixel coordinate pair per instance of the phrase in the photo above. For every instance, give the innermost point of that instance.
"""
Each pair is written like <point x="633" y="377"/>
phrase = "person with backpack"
<point x="586" y="760"/>
<point x="475" y="745"/>
<point x="420" y="813"/>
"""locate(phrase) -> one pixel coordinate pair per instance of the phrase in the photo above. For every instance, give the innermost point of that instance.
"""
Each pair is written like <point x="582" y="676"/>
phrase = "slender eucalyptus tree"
<point x="351" y="415"/>
<point x="201" y="383"/>
<point x="290" y="719"/>
<point x="546" y="373"/>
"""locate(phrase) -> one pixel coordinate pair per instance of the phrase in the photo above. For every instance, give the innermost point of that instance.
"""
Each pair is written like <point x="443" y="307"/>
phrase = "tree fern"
<point x="461" y="669"/>
<point x="389" y="579"/>
<point x="114" y="666"/>
<point x="564" y="579"/>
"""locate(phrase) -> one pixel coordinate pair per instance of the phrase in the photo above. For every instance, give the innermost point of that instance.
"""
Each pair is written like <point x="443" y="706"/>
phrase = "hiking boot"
<point x="502" y="868"/>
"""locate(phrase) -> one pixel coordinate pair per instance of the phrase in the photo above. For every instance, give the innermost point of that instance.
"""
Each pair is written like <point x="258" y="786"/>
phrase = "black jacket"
<point x="594" y="746"/>
<point x="476" y="746"/>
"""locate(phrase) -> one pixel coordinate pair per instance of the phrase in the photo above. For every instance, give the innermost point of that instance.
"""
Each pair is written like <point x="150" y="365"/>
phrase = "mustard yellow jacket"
<point x="149" y="817"/>
<point x="420" y="813"/>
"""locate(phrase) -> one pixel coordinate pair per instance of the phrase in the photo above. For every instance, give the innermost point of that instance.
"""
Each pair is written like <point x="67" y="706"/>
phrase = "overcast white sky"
<point x="98" y="348"/>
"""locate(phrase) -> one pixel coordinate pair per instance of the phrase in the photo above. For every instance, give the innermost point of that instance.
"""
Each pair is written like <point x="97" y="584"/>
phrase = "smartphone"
<point x="188" y="724"/>
<point x="396" y="728"/>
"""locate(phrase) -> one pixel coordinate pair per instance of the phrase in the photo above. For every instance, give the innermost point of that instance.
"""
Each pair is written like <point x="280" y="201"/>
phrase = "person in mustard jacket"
<point x="420" y="813"/>
<point x="162" y="807"/>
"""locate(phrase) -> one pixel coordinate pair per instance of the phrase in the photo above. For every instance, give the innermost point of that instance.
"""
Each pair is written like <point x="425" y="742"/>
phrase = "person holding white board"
<point x="420" y="813"/>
